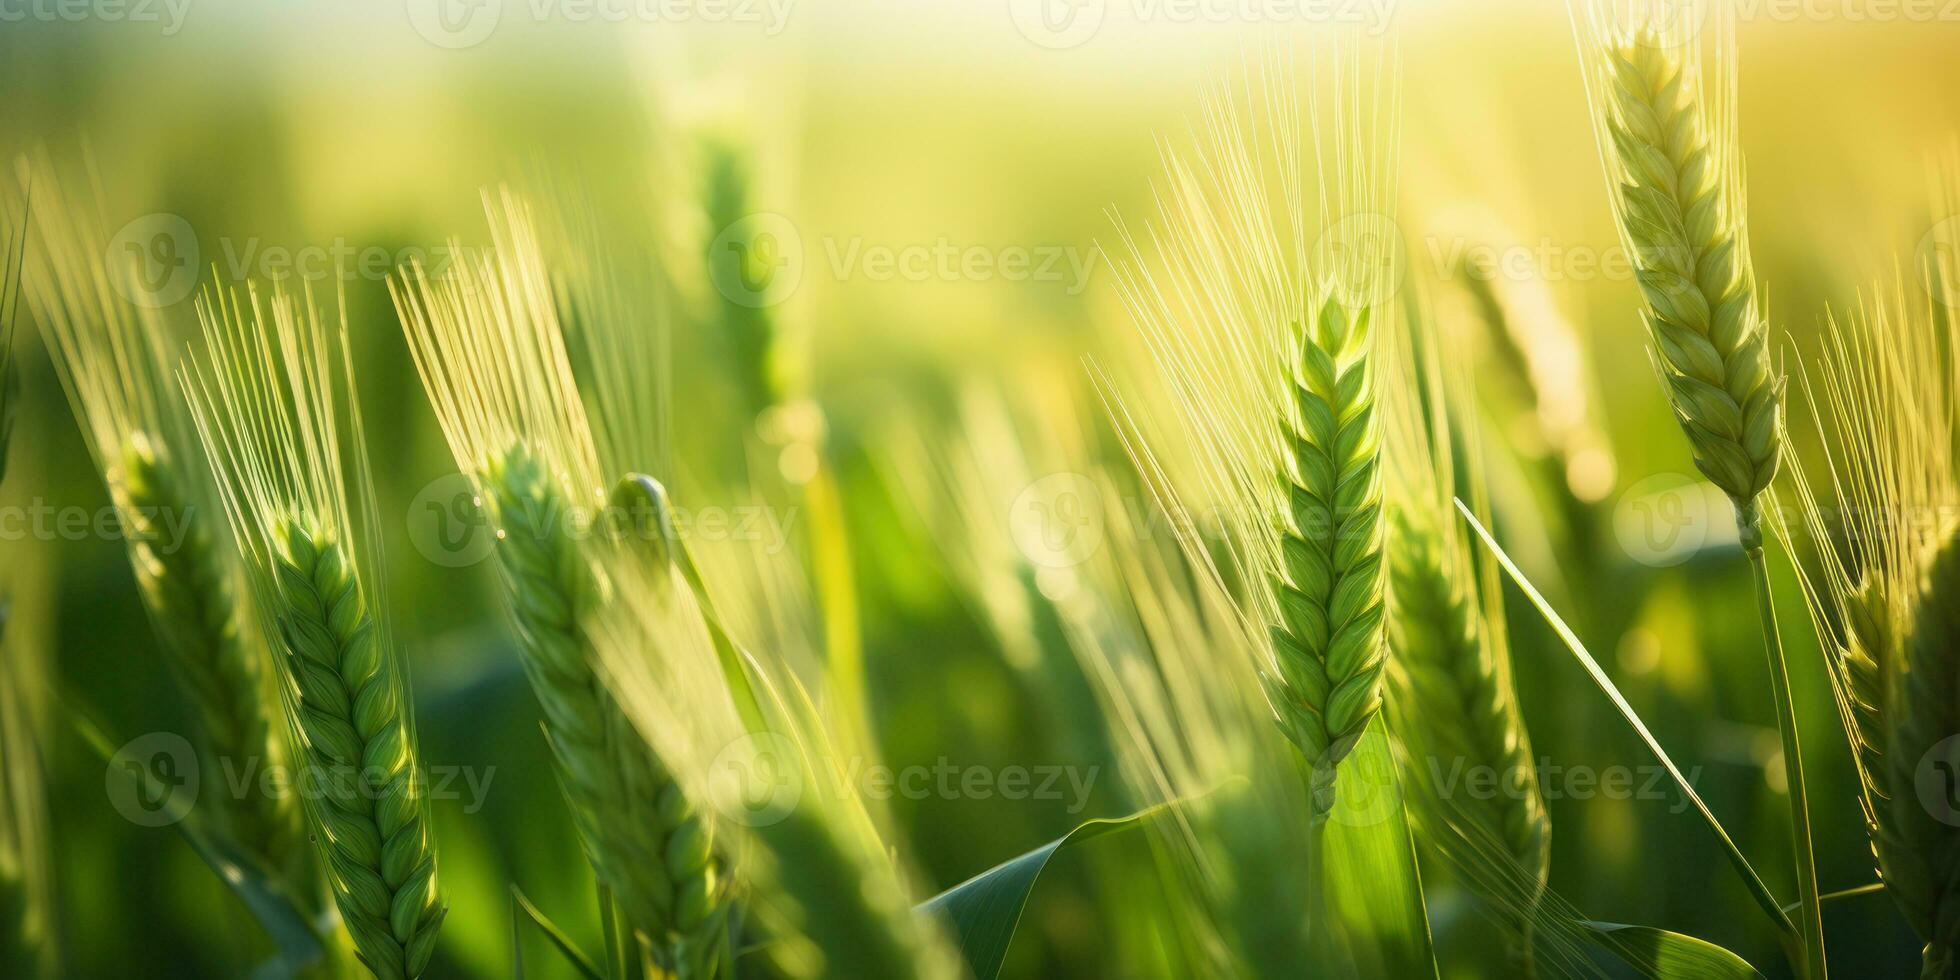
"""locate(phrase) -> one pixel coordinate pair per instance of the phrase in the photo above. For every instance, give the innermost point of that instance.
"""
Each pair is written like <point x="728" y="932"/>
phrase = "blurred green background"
<point x="877" y="128"/>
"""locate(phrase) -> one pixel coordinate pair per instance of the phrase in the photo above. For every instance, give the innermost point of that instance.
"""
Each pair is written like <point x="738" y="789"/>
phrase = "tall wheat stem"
<point x="1812" y="922"/>
<point x="1669" y="139"/>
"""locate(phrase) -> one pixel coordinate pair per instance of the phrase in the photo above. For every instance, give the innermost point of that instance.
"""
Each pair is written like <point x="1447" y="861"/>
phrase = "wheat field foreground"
<point x="1132" y="489"/>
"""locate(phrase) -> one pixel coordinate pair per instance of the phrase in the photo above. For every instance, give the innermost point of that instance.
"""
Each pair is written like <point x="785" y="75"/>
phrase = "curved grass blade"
<point x="274" y="909"/>
<point x="985" y="909"/>
<point x="520" y="909"/>
<point x="1757" y="889"/>
<point x="1668" y="955"/>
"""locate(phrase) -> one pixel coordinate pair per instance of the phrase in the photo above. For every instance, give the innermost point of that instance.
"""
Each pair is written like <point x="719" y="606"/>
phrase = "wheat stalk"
<point x="1668" y="138"/>
<point x="1255" y="311"/>
<point x="492" y="352"/>
<point x="269" y="400"/>
<point x="109" y="355"/>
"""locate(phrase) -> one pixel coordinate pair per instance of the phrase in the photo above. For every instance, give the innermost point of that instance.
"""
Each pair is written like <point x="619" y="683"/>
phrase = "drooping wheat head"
<point x="1258" y="315"/>
<point x="1455" y="708"/>
<point x="1668" y="140"/>
<point x="109" y="353"/>
<point x="1881" y="518"/>
<point x="492" y="353"/>
<point x="273" y="400"/>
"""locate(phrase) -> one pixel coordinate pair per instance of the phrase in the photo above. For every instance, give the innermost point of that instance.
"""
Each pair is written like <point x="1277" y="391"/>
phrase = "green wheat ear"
<point x="1459" y="706"/>
<point x="188" y="586"/>
<point x="1678" y="203"/>
<point x="1916" y="850"/>
<point x="1328" y="645"/>
<point x="643" y="836"/>
<point x="372" y="818"/>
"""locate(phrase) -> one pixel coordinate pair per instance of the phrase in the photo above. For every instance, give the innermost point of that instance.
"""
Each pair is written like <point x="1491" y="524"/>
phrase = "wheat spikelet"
<point x="1916" y="846"/>
<point x="1261" y="339"/>
<point x="269" y="401"/>
<point x="644" y="838"/>
<point x="1455" y="707"/>
<point x="1328" y="644"/>
<point x="1675" y="172"/>
<point x="1883" y="584"/>
<point x="110" y="357"/>
<point x="494" y="360"/>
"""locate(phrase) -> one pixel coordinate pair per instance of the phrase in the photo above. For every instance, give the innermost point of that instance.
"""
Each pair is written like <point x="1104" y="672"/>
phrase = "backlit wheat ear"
<point x="270" y="398"/>
<point x="493" y="358"/>
<point x="1328" y="644"/>
<point x="644" y="837"/>
<point x="1919" y="851"/>
<point x="1884" y="395"/>
<point x="1676" y="174"/>
<point x="110" y="356"/>
<point x="1256" y="312"/>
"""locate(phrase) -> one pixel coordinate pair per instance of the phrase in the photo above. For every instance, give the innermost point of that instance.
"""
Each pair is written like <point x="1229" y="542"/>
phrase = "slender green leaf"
<point x="1668" y="955"/>
<point x="1374" y="889"/>
<point x="551" y="932"/>
<point x="1741" y="864"/>
<point x="276" y="911"/>
<point x="986" y="909"/>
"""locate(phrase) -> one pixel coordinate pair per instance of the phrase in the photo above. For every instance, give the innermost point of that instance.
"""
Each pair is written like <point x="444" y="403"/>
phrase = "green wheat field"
<point x="777" y="490"/>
